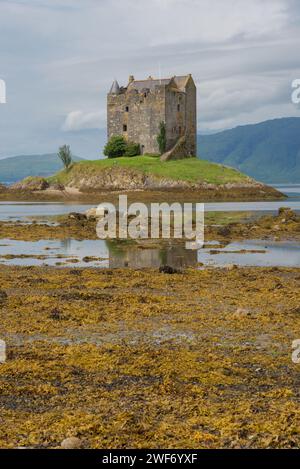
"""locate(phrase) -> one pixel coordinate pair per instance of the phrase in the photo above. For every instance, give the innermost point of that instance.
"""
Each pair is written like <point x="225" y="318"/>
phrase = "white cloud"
<point x="79" y="120"/>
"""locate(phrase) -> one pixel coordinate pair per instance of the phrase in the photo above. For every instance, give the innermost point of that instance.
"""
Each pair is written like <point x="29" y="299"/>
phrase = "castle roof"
<point x="151" y="83"/>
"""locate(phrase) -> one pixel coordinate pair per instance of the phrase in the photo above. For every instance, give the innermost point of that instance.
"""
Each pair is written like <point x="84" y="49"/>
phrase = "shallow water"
<point x="116" y="255"/>
<point x="12" y="211"/>
<point x="291" y="190"/>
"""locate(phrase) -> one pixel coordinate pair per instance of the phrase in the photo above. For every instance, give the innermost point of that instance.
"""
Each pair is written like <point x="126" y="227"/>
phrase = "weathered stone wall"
<point x="191" y="118"/>
<point x="141" y="113"/>
<point x="146" y="111"/>
<point x="175" y="116"/>
<point x="115" y="114"/>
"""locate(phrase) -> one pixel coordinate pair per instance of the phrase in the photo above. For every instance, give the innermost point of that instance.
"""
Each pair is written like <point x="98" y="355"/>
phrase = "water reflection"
<point x="138" y="257"/>
<point x="116" y="254"/>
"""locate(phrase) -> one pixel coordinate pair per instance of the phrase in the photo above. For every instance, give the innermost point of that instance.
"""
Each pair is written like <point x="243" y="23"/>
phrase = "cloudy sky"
<point x="59" y="58"/>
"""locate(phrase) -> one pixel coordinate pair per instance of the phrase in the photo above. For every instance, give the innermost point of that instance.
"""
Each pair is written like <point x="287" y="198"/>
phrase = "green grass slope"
<point x="269" y="151"/>
<point x="192" y="169"/>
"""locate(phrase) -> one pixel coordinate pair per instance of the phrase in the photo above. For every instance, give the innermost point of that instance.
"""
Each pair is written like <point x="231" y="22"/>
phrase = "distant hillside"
<point x="269" y="151"/>
<point x="18" y="167"/>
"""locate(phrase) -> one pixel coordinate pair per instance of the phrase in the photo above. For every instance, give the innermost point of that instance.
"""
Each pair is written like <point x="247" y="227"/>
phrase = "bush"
<point x="161" y="138"/>
<point x="115" y="147"/>
<point x="132" y="149"/>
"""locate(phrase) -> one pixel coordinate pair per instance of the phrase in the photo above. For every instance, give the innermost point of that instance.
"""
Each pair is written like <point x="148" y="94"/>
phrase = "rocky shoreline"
<point x="88" y="187"/>
<point x="284" y="226"/>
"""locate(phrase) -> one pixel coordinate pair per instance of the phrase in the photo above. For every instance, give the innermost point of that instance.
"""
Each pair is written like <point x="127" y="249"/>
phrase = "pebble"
<point x="2" y="351"/>
<point x="241" y="313"/>
<point x="230" y="267"/>
<point x="72" y="443"/>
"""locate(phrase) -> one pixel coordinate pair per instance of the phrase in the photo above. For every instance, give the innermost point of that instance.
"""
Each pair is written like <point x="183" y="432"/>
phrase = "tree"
<point x="115" y="147"/>
<point x="64" y="153"/>
<point x="161" y="138"/>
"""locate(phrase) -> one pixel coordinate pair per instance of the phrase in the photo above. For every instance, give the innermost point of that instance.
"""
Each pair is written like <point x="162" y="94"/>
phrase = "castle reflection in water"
<point x="139" y="257"/>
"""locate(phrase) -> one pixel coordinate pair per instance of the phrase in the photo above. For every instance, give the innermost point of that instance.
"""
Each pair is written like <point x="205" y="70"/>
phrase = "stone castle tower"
<point x="137" y="110"/>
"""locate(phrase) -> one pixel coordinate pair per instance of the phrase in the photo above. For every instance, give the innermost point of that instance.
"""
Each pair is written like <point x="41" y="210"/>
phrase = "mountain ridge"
<point x="18" y="167"/>
<point x="268" y="151"/>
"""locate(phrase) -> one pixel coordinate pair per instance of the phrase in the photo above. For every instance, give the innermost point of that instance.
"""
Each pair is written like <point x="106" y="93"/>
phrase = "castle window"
<point x="178" y="107"/>
<point x="126" y="109"/>
<point x="179" y="130"/>
<point x="124" y="128"/>
<point x="145" y="95"/>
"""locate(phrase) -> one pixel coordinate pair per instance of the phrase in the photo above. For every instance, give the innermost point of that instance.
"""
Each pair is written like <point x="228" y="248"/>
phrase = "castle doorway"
<point x="142" y="149"/>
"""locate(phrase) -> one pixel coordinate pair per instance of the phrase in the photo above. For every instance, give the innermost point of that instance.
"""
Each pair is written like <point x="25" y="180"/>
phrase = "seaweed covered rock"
<point x="77" y="216"/>
<point x="57" y="186"/>
<point x="3" y="297"/>
<point x="287" y="213"/>
<point x="31" y="183"/>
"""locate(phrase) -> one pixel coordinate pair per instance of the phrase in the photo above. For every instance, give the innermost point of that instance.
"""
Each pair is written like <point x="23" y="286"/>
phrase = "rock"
<point x="91" y="214"/>
<point x="57" y="186"/>
<point x="287" y="214"/>
<point x="241" y="313"/>
<point x="95" y="214"/>
<point x="2" y="351"/>
<point x="3" y="297"/>
<point x="276" y="228"/>
<point x="230" y="267"/>
<point x="167" y="269"/>
<point x="224" y="231"/>
<point x="77" y="216"/>
<point x="31" y="183"/>
<point x="88" y="259"/>
<point x="55" y="314"/>
<point x="75" y="272"/>
<point x="72" y="443"/>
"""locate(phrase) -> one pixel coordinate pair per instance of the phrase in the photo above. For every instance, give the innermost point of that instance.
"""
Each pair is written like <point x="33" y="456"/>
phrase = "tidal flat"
<point x="198" y="357"/>
<point x="137" y="358"/>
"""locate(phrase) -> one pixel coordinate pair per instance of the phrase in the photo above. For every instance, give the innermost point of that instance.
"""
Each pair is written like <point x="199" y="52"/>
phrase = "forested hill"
<point x="269" y="151"/>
